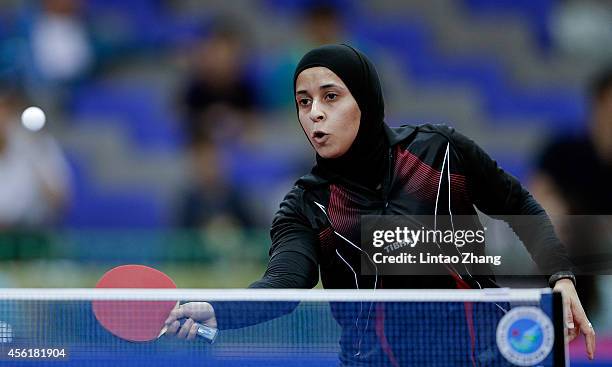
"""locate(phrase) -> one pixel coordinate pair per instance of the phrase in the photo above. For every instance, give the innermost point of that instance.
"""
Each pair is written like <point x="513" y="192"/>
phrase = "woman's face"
<point x="327" y="111"/>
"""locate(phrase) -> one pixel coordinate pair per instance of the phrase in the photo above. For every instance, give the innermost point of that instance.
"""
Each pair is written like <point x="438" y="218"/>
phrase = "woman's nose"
<point x="316" y="114"/>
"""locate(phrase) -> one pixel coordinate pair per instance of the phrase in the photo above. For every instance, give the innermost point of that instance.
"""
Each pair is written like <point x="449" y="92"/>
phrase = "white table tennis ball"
<point x="33" y="118"/>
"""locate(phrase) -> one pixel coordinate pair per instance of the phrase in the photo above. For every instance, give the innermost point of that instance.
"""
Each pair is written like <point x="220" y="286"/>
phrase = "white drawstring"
<point x="349" y="265"/>
<point x="446" y="157"/>
<point x="446" y="163"/>
<point x="449" y="207"/>
<point x="350" y="243"/>
<point x="355" y="274"/>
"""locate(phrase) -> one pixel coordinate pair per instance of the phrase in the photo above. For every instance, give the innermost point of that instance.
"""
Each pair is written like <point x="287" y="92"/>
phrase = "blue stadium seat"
<point x="126" y="209"/>
<point x="248" y="168"/>
<point x="141" y="15"/>
<point x="142" y="110"/>
<point x="406" y="38"/>
<point x="147" y="23"/>
<point x="478" y="71"/>
<point x="93" y="208"/>
<point x="536" y="12"/>
<point x="558" y="107"/>
<point x="411" y="43"/>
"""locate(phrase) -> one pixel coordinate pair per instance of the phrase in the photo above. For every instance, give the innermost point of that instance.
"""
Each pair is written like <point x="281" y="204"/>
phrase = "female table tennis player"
<point x="365" y="167"/>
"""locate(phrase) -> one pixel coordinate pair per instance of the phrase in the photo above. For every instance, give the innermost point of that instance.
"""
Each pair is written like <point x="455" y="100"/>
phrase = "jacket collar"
<point x="398" y="134"/>
<point x="395" y="135"/>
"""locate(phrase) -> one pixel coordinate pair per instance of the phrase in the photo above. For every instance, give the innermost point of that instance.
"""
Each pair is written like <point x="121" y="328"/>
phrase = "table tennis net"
<point x="293" y="327"/>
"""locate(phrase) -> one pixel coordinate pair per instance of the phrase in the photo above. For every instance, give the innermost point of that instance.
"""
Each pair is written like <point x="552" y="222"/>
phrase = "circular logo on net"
<point x="525" y="336"/>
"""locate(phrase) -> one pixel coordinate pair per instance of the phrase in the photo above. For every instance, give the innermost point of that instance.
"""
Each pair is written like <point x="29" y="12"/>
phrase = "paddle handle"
<point x="207" y="333"/>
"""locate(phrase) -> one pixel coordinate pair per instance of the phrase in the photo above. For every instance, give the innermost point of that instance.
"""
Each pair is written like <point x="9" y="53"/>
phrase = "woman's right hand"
<point x="194" y="312"/>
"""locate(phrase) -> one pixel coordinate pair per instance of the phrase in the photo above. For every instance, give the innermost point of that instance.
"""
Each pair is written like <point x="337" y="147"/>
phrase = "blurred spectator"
<point x="320" y="23"/>
<point x="575" y="172"/>
<point x="210" y="202"/>
<point x="574" y="178"/>
<point x="219" y="97"/>
<point x="34" y="176"/>
<point x="582" y="27"/>
<point x="60" y="43"/>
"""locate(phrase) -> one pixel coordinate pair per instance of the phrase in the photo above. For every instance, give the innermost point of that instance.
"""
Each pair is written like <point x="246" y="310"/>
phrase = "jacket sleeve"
<point x="500" y="195"/>
<point x="293" y="264"/>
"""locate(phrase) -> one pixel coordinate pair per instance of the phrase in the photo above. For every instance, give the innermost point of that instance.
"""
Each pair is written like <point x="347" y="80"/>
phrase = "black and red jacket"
<point x="319" y="218"/>
<point x="321" y="202"/>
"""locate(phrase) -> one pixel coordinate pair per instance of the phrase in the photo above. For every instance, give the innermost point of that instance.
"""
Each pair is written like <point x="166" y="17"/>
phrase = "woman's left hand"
<point x="574" y="315"/>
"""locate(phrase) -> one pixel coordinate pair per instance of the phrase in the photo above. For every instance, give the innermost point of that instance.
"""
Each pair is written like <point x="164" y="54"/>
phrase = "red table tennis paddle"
<point x="138" y="321"/>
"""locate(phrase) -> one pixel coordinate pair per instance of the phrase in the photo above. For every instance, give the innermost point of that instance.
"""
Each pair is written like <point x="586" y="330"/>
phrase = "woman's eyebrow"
<point x="324" y="86"/>
<point x="329" y="85"/>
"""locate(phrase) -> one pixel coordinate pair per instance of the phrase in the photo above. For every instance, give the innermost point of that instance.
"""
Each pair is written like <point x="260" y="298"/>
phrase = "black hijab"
<point x="364" y="163"/>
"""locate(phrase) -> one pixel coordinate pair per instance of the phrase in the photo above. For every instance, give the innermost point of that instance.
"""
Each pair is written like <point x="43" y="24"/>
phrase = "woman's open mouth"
<point x="319" y="137"/>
